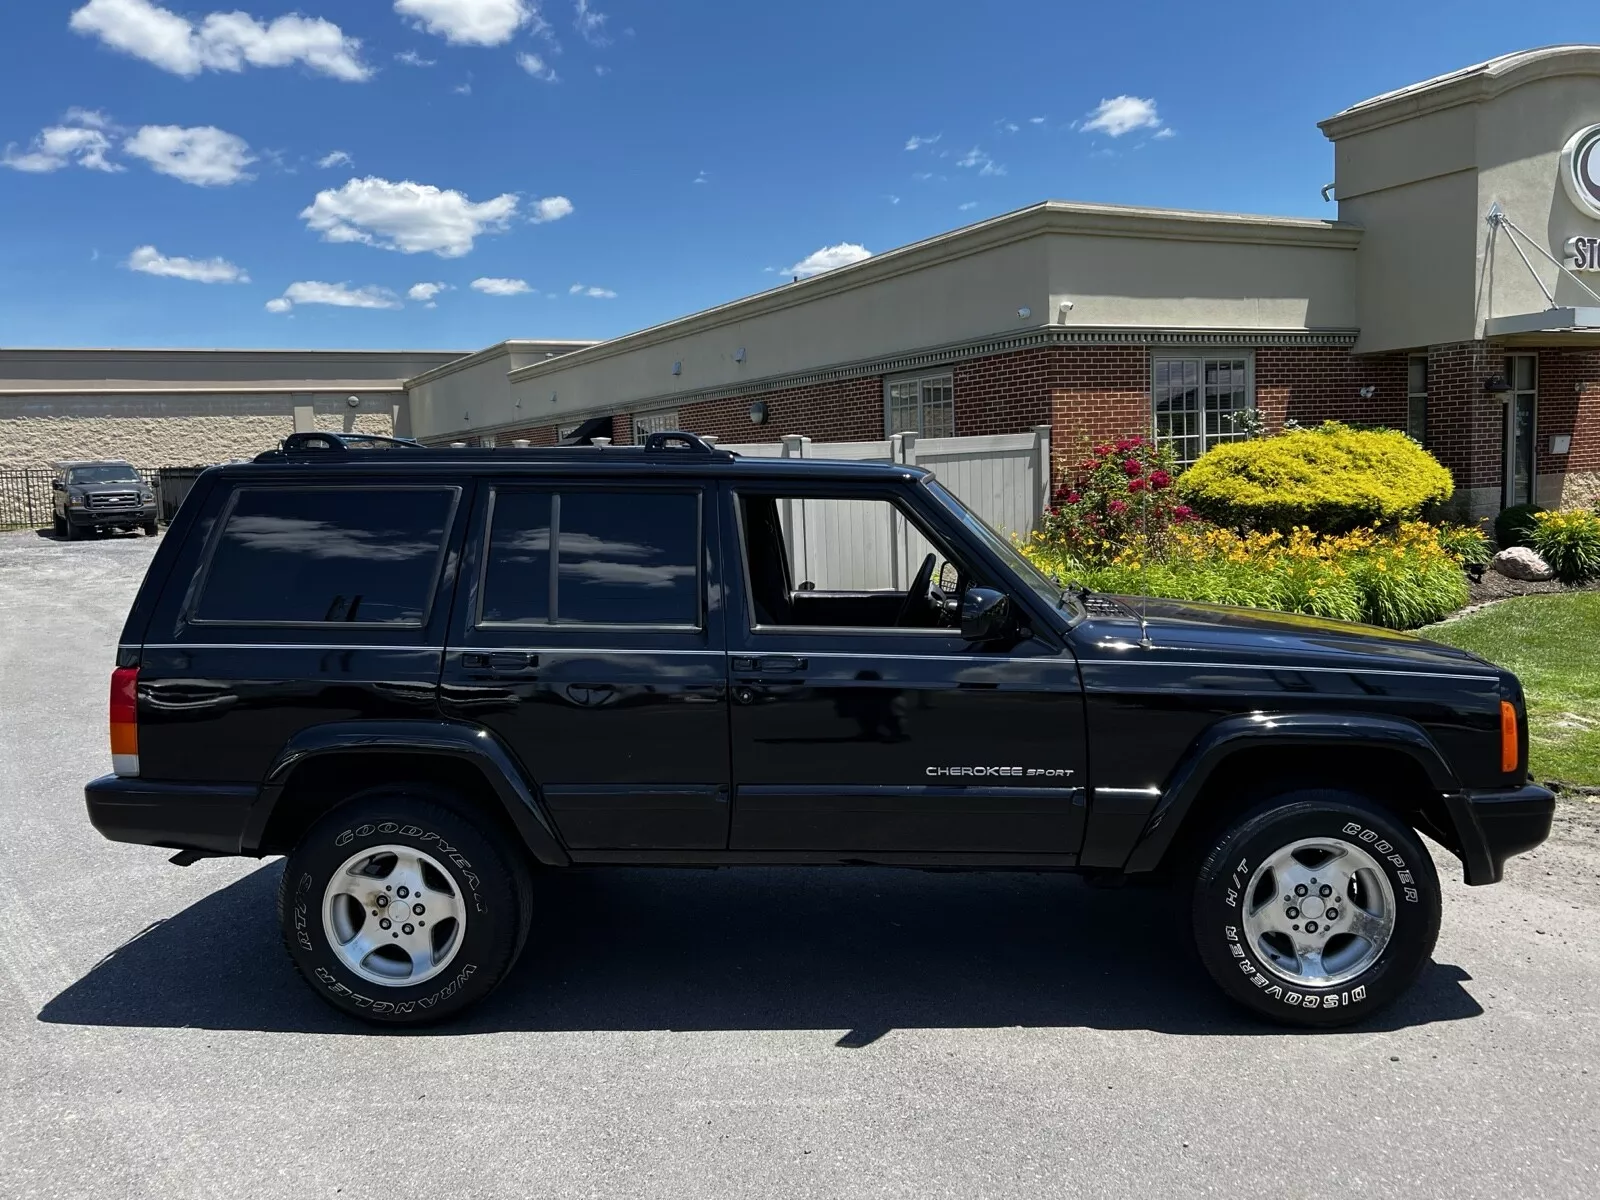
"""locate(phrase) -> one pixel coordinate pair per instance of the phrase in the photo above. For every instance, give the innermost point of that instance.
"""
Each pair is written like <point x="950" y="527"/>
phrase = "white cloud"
<point x="340" y="295"/>
<point x="601" y="69"/>
<point x="1007" y="126"/>
<point x="197" y="270"/>
<point x="551" y="208"/>
<point x="538" y="68"/>
<point x="828" y="258"/>
<point x="223" y="41"/>
<point x="702" y="178"/>
<point x="81" y="141"/>
<point x="1165" y="132"/>
<point x="594" y="293"/>
<point x="410" y="58"/>
<point x="462" y="89"/>
<point x="501" y="287"/>
<point x="424" y="292"/>
<point x="413" y="218"/>
<point x="336" y="158"/>
<point x="968" y="206"/>
<point x="922" y="176"/>
<point x="470" y="22"/>
<point x="590" y="25"/>
<point x="916" y="142"/>
<point x="203" y="155"/>
<point x="977" y="158"/>
<point x="1120" y="115"/>
<point x="892" y="198"/>
<point x="1035" y="120"/>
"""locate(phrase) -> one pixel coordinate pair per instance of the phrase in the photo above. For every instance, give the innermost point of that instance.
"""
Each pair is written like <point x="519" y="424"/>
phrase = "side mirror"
<point x="949" y="578"/>
<point x="56" y="485"/>
<point x="985" y="614"/>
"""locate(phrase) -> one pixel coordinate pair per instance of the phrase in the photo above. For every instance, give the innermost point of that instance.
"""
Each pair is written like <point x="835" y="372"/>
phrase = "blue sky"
<point x="625" y="161"/>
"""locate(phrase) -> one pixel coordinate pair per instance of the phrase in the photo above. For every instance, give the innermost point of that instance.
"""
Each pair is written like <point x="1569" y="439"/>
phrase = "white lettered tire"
<point x="402" y="906"/>
<point x="1317" y="908"/>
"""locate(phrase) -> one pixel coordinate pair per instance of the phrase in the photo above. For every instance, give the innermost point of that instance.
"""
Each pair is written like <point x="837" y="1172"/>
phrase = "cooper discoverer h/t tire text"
<point x="400" y="908"/>
<point x="1317" y="908"/>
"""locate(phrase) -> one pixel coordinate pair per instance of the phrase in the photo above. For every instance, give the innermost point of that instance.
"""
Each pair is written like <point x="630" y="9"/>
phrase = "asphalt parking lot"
<point x="706" y="1034"/>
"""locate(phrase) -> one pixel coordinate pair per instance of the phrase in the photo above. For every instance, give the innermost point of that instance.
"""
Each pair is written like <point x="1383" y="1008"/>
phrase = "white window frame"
<point x="1202" y="356"/>
<point x="661" y="421"/>
<point x="1417" y="401"/>
<point x="924" y="383"/>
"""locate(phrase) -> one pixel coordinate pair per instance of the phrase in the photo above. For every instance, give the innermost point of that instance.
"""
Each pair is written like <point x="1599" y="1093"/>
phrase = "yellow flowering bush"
<point x="1402" y="578"/>
<point x="1569" y="540"/>
<point x="1328" y="478"/>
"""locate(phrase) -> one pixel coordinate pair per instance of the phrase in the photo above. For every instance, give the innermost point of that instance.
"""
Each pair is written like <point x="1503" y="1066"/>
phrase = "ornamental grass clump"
<point x="1330" y="479"/>
<point x="1569" y="540"/>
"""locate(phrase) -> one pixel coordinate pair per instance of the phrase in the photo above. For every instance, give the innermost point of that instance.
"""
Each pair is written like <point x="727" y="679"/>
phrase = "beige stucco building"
<point x="1454" y="291"/>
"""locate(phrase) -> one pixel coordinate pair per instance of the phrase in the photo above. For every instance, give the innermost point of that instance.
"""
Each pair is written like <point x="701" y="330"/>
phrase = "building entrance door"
<point x="1522" y="370"/>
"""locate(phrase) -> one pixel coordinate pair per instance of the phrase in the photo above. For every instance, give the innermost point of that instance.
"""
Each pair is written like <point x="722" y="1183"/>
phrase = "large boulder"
<point x="1522" y="562"/>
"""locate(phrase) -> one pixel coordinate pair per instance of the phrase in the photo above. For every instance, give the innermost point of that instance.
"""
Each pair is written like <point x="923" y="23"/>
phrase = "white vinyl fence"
<point x="850" y="545"/>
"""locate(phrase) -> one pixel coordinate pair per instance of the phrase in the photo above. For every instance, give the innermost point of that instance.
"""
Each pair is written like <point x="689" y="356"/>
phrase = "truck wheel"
<point x="149" y="529"/>
<point x="1316" y="909"/>
<point x="58" y="526"/>
<point x="72" y="531"/>
<point x="399" y="908"/>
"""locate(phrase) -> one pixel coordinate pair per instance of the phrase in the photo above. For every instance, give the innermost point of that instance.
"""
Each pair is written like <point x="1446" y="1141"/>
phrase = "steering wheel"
<point x="919" y="588"/>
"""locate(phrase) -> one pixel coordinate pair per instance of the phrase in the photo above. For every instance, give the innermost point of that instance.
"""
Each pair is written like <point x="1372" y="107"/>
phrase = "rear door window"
<point x="593" y="558"/>
<point x="334" y="555"/>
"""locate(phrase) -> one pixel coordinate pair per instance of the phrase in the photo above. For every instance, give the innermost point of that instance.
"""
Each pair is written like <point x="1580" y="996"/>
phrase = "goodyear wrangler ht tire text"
<point x="401" y="908"/>
<point x="1317" y="908"/>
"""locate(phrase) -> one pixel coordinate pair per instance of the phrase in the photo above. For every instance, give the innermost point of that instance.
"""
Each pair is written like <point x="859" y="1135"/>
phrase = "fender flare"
<point x="1230" y="735"/>
<point x="468" y="743"/>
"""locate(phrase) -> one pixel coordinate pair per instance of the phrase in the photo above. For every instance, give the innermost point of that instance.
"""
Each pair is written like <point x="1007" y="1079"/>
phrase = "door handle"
<point x="780" y="663"/>
<point x="501" y="660"/>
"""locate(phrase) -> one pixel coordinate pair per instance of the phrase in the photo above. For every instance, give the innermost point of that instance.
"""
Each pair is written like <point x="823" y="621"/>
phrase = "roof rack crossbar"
<point x="317" y="441"/>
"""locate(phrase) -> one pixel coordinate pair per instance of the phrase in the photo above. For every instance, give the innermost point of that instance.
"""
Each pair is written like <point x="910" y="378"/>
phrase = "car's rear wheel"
<point x="1317" y="908"/>
<point x="402" y="906"/>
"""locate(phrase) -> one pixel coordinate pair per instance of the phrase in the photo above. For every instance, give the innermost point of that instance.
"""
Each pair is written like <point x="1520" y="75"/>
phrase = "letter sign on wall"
<point x="1580" y="172"/>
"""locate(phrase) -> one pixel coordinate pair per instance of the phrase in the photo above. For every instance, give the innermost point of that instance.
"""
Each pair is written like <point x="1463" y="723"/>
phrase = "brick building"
<point x="1456" y="295"/>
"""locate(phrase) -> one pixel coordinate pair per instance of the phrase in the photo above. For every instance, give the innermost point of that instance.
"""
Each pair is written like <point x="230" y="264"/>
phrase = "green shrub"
<point x="1570" y="542"/>
<point x="1329" y="478"/>
<point x="1466" y="544"/>
<point x="1514" y="525"/>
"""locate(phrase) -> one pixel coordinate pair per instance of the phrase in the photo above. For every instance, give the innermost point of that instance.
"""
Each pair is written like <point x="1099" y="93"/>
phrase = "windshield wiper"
<point x="1084" y="595"/>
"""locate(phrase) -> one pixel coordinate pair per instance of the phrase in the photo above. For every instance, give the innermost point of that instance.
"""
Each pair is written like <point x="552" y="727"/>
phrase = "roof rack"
<point x="319" y="442"/>
<point x="678" y="442"/>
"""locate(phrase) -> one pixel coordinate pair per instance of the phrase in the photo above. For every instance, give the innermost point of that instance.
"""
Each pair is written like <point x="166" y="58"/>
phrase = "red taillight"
<point x="125" y="720"/>
<point x="1510" y="757"/>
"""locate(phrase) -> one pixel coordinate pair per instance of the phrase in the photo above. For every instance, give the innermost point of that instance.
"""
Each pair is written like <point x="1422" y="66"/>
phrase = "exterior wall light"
<point x="353" y="401"/>
<point x="677" y="367"/>
<point x="1024" y="312"/>
<point x="1496" y="385"/>
<point x="1368" y="392"/>
<point x="758" y="413"/>
<point x="738" y="355"/>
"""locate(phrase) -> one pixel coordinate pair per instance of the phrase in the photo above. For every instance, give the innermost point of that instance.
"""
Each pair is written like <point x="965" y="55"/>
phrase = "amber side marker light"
<point x="1509" y="759"/>
<point x="125" y="721"/>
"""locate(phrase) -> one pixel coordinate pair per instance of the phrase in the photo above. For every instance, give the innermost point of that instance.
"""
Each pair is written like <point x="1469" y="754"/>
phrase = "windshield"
<point x="1037" y="581"/>
<point x="103" y="473"/>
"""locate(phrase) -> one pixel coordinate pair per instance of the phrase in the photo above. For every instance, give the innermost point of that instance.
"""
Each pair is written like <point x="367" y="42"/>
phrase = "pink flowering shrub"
<point x="1117" y="493"/>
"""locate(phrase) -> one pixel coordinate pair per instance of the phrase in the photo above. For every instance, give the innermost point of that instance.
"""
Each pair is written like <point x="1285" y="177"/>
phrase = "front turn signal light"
<point x="1510" y="759"/>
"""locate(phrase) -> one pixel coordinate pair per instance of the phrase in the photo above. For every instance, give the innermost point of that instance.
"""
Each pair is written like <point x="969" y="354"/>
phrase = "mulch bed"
<point x="1495" y="586"/>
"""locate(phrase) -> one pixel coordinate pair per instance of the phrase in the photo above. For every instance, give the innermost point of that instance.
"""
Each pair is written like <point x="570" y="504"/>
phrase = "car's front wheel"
<point x="399" y="907"/>
<point x="1317" y="908"/>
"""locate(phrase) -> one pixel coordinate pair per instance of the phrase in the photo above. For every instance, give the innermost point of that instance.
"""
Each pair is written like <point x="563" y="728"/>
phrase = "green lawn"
<point x="1553" y="644"/>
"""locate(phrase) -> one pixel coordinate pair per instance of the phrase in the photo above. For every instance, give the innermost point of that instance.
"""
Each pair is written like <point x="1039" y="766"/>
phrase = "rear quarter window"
<point x="328" y="555"/>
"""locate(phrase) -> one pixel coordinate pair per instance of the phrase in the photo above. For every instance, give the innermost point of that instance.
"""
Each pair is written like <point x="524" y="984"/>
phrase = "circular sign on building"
<point x="1580" y="169"/>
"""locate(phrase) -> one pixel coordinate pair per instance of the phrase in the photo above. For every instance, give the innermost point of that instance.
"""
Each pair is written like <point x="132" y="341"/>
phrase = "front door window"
<point x="1522" y="371"/>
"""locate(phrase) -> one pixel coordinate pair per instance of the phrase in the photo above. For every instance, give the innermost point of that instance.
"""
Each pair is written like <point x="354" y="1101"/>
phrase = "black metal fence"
<point x="28" y="502"/>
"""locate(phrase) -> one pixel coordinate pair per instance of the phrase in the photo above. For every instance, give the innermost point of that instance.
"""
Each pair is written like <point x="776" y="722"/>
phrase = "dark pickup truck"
<point x="99" y="496"/>
<point x="424" y="674"/>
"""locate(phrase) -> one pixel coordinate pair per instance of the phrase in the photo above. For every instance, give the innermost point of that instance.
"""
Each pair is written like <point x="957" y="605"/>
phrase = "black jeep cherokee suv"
<point x="423" y="674"/>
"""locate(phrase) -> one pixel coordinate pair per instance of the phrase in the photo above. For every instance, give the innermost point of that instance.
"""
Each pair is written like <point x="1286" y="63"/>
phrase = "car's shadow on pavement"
<point x="858" y="950"/>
